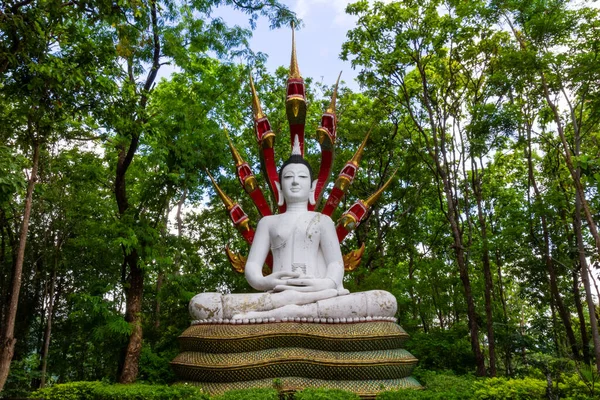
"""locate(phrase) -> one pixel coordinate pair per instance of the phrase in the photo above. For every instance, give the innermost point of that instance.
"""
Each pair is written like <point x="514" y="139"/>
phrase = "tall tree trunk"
<point x="582" y="326"/>
<point x="8" y="341"/>
<point x="569" y="161"/>
<point x="161" y="274"/>
<point x="135" y="279"/>
<point x="508" y="350"/>
<point x="133" y="315"/>
<point x="3" y="271"/>
<point x="411" y="286"/>
<point x="134" y="293"/>
<point x="159" y="284"/>
<point x="585" y="278"/>
<point x="572" y="240"/>
<point x="441" y="168"/>
<point x="463" y="270"/>
<point x="487" y="271"/>
<point x="48" y="331"/>
<point x="563" y="312"/>
<point x="179" y="220"/>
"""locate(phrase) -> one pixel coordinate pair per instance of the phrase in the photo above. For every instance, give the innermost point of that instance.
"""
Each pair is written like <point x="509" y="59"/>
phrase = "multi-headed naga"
<point x="326" y="135"/>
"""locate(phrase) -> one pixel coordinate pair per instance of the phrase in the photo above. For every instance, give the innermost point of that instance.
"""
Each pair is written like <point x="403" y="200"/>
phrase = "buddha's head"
<point x="295" y="180"/>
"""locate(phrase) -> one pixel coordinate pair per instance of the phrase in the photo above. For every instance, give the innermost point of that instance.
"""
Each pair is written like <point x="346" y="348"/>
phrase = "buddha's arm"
<point x="256" y="259"/>
<point x="332" y="252"/>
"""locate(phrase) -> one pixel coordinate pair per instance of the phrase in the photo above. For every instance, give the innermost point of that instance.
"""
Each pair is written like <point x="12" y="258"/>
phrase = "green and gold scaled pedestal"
<point x="362" y="357"/>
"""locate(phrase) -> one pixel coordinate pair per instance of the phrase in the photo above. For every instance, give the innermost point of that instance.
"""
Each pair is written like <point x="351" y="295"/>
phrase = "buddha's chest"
<point x="299" y="232"/>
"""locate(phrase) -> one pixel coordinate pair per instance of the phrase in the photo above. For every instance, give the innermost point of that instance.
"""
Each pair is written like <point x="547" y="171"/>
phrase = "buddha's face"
<point x="295" y="183"/>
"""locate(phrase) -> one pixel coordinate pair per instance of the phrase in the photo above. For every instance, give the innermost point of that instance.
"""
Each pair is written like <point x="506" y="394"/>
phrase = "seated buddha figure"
<point x="308" y="268"/>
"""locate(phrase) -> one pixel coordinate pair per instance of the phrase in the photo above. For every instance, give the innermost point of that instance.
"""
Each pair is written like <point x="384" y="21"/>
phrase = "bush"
<point x="573" y="387"/>
<point x="249" y="394"/>
<point x="154" y="367"/>
<point x="510" y="389"/>
<point x="103" y="391"/>
<point x="22" y="373"/>
<point x="325" y="394"/>
<point x="69" y="391"/>
<point x="443" y="349"/>
<point x="438" y="386"/>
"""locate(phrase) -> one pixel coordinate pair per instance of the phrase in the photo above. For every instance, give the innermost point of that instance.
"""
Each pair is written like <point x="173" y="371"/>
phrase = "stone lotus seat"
<point x="365" y="357"/>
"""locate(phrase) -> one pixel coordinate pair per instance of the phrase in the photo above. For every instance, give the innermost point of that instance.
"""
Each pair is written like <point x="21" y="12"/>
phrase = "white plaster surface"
<point x="308" y="268"/>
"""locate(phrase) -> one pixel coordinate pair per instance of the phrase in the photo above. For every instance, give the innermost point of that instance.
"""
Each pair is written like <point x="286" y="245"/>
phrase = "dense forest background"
<point x="489" y="110"/>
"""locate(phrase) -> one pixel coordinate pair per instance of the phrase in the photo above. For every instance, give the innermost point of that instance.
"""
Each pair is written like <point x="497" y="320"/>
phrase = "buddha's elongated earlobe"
<point x="311" y="195"/>
<point x="279" y="194"/>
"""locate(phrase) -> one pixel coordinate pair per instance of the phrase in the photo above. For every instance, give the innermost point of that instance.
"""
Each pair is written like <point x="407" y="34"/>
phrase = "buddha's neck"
<point x="298" y="207"/>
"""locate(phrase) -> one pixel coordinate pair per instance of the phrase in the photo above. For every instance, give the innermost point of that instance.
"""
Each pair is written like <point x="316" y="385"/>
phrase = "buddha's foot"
<point x="294" y="304"/>
<point x="289" y="311"/>
<point x="293" y="297"/>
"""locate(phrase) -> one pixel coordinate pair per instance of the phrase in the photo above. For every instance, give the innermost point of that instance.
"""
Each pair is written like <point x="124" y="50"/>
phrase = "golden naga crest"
<point x="326" y="136"/>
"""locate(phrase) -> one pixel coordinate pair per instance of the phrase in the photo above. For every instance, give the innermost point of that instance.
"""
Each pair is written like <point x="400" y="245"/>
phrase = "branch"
<point x="15" y="7"/>
<point x="155" y="57"/>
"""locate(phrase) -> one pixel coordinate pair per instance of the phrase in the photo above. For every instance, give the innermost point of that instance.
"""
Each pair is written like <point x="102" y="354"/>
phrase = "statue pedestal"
<point x="362" y="357"/>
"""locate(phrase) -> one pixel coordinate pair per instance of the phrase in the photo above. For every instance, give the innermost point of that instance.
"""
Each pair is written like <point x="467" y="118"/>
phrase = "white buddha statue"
<point x="308" y="268"/>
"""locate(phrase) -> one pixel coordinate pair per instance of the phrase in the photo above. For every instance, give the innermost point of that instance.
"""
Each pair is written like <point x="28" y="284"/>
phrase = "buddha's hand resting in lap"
<point x="271" y="281"/>
<point x="306" y="284"/>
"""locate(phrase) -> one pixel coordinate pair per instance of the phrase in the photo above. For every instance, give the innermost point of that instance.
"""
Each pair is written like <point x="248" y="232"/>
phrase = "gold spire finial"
<point x="331" y="108"/>
<point x="226" y="199"/>
<point x="234" y="153"/>
<point x="294" y="70"/>
<point x="256" y="108"/>
<point x="375" y="196"/>
<point x="359" y="152"/>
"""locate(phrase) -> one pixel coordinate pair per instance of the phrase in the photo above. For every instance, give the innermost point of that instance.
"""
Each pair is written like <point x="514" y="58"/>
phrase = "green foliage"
<point x="250" y="394"/>
<point x="155" y="367"/>
<point x="11" y="180"/>
<point x="573" y="387"/>
<point x="103" y="391"/>
<point x="446" y="385"/>
<point x="443" y="349"/>
<point x="508" y="389"/>
<point x="69" y="391"/>
<point x="325" y="394"/>
<point x="21" y="374"/>
<point x="438" y="386"/>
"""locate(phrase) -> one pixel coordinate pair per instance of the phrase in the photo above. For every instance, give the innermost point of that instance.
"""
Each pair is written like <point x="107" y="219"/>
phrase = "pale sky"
<point x="318" y="41"/>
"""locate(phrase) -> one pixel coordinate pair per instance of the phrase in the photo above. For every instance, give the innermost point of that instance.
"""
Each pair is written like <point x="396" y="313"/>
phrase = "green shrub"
<point x="149" y="392"/>
<point x="69" y="391"/>
<point x="572" y="387"/>
<point x="510" y="389"/>
<point x="411" y="394"/>
<point x="154" y="366"/>
<point x="325" y="394"/>
<point x="22" y="373"/>
<point x="438" y="386"/>
<point x="249" y="394"/>
<point x="443" y="349"/>
<point x="103" y="391"/>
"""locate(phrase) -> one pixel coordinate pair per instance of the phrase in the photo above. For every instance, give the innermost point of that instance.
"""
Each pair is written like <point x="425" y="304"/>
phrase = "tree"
<point x="48" y="74"/>
<point x="565" y="76"/>
<point x="411" y="56"/>
<point x="146" y="35"/>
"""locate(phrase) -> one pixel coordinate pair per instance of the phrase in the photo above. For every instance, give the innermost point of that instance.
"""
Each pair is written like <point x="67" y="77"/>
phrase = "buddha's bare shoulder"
<point x="321" y="218"/>
<point x="268" y="220"/>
